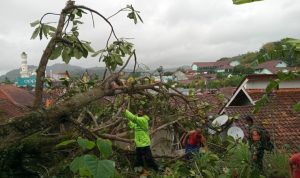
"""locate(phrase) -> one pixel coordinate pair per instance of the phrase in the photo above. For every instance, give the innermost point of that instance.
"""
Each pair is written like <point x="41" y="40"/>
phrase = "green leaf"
<point x="66" y="55"/>
<point x="134" y="18"/>
<point x="97" y="53"/>
<point x="33" y="24"/>
<point x="237" y="2"/>
<point x="260" y="103"/>
<point x="65" y="143"/>
<point x="113" y="66"/>
<point x="297" y="106"/>
<point x="46" y="30"/>
<point x="99" y="168"/>
<point x="79" y="14"/>
<point x="273" y="84"/>
<point x="76" y="33"/>
<point x="56" y="52"/>
<point x="140" y="17"/>
<point x="52" y="29"/>
<point x="222" y="176"/>
<point x="208" y="174"/>
<point x="75" y="22"/>
<point x="130" y="15"/>
<point x="85" y="143"/>
<point x="84" y="172"/>
<point x="105" y="147"/>
<point x="41" y="32"/>
<point x="123" y="49"/>
<point x="35" y="33"/>
<point x="88" y="47"/>
<point x="118" y="60"/>
<point x="77" y="163"/>
<point x="77" y="53"/>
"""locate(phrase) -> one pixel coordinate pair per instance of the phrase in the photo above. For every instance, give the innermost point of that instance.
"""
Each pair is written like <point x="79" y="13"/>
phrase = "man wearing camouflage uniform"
<point x="259" y="140"/>
<point x="257" y="150"/>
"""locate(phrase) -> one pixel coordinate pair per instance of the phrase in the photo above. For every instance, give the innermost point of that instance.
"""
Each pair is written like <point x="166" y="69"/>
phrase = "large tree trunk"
<point x="19" y="127"/>
<point x="46" y="55"/>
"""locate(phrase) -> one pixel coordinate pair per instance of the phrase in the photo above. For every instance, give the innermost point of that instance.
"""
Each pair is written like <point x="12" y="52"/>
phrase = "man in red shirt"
<point x="193" y="141"/>
<point x="294" y="166"/>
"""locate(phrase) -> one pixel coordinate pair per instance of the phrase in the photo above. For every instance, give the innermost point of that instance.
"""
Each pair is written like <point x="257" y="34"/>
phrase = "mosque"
<point x="27" y="78"/>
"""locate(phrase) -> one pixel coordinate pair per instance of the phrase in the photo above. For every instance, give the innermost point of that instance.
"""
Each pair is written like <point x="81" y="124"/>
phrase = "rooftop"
<point x="277" y="117"/>
<point x="271" y="66"/>
<point x="14" y="102"/>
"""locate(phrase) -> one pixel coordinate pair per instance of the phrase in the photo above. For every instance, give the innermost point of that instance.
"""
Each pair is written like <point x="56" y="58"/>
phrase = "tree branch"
<point x="47" y="53"/>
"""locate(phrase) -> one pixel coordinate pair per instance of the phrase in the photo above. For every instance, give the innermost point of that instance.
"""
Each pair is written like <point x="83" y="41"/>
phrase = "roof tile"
<point x="277" y="117"/>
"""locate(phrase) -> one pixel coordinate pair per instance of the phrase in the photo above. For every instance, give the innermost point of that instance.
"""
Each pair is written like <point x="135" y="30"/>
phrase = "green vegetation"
<point x="287" y="50"/>
<point x="76" y="144"/>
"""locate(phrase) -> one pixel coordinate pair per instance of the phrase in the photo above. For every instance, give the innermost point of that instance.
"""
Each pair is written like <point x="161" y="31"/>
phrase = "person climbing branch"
<point x="140" y="124"/>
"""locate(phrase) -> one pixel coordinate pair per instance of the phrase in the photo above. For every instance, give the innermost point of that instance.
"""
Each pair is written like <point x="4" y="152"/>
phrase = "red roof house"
<point x="222" y="65"/>
<point x="278" y="116"/>
<point x="271" y="67"/>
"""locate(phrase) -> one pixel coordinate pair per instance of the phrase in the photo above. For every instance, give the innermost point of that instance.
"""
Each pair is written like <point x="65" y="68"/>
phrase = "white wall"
<point x="234" y="63"/>
<point x="281" y="64"/>
<point x="264" y="71"/>
<point x="180" y="75"/>
<point x="264" y="84"/>
<point x="256" y="84"/>
<point x="290" y="84"/>
<point x="194" y="67"/>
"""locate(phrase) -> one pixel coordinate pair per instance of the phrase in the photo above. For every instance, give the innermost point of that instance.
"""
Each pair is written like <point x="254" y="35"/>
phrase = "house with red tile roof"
<point x="277" y="116"/>
<point x="222" y="65"/>
<point x="14" y="102"/>
<point x="271" y="67"/>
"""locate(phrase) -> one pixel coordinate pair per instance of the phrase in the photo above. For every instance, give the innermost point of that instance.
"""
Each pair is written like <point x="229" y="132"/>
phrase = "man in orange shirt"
<point x="294" y="166"/>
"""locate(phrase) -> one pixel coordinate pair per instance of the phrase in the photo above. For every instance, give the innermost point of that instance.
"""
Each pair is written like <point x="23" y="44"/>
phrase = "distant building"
<point x="180" y="76"/>
<point x="165" y="79"/>
<point x="221" y="66"/>
<point x="27" y="78"/>
<point x="24" y="73"/>
<point x="58" y="75"/>
<point x="271" y="67"/>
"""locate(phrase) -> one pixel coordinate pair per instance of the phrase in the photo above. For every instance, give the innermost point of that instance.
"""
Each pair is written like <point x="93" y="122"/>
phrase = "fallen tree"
<point x="18" y="134"/>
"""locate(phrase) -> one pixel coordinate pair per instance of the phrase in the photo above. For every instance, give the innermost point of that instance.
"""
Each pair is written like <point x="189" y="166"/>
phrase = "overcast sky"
<point x="174" y="32"/>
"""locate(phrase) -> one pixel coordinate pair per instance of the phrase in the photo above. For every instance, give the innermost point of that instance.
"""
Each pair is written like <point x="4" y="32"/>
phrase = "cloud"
<point x="174" y="32"/>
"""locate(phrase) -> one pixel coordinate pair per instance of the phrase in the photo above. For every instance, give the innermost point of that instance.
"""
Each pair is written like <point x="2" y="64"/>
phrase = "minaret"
<point x="24" y="67"/>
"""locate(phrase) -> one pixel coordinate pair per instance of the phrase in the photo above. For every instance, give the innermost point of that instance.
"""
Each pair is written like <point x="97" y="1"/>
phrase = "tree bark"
<point x="19" y="127"/>
<point x="40" y="73"/>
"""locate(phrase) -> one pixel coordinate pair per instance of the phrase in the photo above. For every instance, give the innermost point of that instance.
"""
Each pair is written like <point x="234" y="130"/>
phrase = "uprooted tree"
<point x="28" y="138"/>
<point x="41" y="143"/>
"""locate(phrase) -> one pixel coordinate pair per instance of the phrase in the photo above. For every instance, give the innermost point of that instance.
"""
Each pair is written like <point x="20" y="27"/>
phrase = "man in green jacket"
<point x="142" y="140"/>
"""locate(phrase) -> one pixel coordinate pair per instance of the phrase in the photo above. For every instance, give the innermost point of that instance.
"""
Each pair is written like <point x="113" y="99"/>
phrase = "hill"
<point x="74" y="71"/>
<point x="282" y="50"/>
